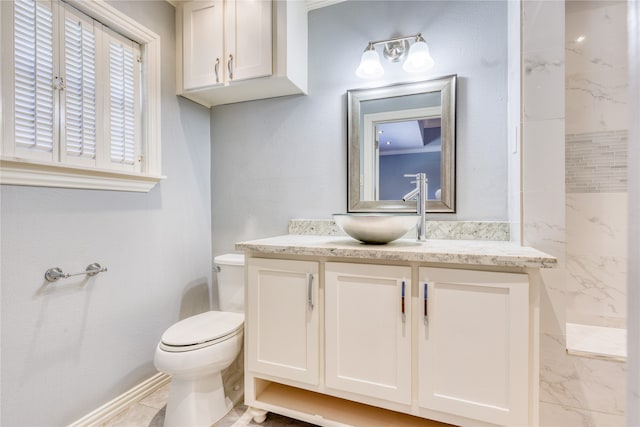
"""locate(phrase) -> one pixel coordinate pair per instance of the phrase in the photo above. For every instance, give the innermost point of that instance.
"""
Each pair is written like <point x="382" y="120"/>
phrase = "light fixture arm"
<point x="417" y="37"/>
<point x="370" y="46"/>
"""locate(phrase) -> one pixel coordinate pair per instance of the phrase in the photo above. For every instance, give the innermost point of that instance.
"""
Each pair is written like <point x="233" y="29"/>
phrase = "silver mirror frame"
<point x="447" y="87"/>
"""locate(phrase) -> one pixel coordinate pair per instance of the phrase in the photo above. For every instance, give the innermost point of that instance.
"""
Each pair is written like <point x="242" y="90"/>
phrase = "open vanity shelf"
<point x="301" y="404"/>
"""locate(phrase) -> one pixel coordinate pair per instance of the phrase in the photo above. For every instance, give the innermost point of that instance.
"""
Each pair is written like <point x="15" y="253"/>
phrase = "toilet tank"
<point x="230" y="273"/>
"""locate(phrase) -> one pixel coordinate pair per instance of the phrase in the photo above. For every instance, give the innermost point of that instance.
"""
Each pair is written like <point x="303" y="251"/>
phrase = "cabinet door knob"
<point x="230" y="67"/>
<point x="216" y="68"/>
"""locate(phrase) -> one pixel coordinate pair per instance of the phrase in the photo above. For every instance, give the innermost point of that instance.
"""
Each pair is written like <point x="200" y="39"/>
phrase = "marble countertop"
<point x="472" y="252"/>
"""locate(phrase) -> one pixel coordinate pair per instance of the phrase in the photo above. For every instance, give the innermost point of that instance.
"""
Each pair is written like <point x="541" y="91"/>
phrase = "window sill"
<point x="21" y="172"/>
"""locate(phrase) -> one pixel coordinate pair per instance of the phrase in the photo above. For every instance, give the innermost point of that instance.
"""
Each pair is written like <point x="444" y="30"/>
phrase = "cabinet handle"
<point x="216" y="68"/>
<point x="404" y="316"/>
<point x="310" y="291"/>
<point x="230" y="67"/>
<point x="426" y="300"/>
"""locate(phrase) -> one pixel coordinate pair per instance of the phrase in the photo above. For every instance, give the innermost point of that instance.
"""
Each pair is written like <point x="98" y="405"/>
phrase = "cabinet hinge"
<point x="140" y="159"/>
<point x="139" y="59"/>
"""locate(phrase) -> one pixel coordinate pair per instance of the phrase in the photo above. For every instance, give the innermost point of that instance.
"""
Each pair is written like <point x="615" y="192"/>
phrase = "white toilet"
<point x="195" y="350"/>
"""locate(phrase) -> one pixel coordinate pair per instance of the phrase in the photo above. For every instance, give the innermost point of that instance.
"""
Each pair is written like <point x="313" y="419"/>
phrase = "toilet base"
<point x="196" y="402"/>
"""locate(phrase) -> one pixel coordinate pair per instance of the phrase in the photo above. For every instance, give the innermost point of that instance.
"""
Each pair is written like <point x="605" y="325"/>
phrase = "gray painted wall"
<point x="68" y="348"/>
<point x="284" y="158"/>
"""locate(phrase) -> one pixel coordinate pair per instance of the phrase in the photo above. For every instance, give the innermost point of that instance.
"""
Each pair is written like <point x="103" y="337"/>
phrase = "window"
<point x="78" y="96"/>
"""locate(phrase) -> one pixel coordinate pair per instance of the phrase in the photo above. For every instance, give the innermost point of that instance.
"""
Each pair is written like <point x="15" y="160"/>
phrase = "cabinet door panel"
<point x="473" y="346"/>
<point x="368" y="344"/>
<point x="283" y="319"/>
<point x="202" y="43"/>
<point x="248" y="39"/>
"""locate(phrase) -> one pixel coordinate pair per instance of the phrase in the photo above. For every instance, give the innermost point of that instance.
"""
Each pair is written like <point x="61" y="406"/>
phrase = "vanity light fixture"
<point x="396" y="49"/>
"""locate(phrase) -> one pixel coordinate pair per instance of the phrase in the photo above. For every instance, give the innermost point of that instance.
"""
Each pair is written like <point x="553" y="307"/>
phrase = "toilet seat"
<point x="202" y="330"/>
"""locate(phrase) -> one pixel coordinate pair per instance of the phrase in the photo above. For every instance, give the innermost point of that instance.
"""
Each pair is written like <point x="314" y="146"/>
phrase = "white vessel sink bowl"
<point x="376" y="228"/>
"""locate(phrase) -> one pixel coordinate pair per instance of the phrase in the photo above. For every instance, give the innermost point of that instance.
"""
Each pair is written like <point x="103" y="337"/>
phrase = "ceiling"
<point x="409" y="136"/>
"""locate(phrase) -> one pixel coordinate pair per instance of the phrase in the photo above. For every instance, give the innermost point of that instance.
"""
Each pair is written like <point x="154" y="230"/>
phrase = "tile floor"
<point x="149" y="412"/>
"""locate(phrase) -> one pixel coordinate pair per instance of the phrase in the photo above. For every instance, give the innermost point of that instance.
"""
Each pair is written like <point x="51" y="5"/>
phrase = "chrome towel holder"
<point x="55" y="273"/>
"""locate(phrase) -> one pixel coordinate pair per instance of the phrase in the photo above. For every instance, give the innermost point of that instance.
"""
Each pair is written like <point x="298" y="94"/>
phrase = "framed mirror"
<point x="398" y="130"/>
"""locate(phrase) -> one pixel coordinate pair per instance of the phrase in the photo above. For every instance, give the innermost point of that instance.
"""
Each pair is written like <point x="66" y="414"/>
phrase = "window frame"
<point x="20" y="171"/>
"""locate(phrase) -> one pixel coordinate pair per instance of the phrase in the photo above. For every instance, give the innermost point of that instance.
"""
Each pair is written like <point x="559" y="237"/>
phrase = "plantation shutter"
<point x="35" y="97"/>
<point x="79" y="98"/>
<point x="74" y="90"/>
<point x="123" y="104"/>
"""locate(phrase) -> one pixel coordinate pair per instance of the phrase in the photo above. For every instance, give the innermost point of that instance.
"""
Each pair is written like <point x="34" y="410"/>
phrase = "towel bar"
<point x="55" y="273"/>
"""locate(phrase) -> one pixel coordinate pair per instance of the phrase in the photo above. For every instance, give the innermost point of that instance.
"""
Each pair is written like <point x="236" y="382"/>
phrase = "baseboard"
<point x="133" y="395"/>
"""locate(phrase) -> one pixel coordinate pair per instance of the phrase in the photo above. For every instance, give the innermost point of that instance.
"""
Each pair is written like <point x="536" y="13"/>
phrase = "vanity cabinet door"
<point x="203" y="43"/>
<point x="473" y="344"/>
<point x="248" y="35"/>
<point x="282" y="319"/>
<point x="367" y="335"/>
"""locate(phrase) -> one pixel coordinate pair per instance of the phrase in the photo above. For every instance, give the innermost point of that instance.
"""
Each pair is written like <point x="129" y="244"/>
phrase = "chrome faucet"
<point x="420" y="194"/>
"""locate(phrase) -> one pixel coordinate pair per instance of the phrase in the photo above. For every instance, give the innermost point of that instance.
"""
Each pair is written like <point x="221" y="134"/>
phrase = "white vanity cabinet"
<point x="282" y="319"/>
<point x="473" y="344"/>
<point x="238" y="50"/>
<point x="373" y="349"/>
<point x="368" y="330"/>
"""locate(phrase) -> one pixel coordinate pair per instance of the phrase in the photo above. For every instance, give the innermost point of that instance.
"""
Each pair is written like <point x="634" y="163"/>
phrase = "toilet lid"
<point x="229" y="259"/>
<point x="201" y="328"/>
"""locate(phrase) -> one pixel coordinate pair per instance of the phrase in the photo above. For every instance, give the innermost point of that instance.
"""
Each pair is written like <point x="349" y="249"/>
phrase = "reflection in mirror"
<point x="398" y="130"/>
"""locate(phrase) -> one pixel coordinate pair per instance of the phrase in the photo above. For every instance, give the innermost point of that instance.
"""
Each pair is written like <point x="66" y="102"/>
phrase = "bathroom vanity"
<point x="342" y="333"/>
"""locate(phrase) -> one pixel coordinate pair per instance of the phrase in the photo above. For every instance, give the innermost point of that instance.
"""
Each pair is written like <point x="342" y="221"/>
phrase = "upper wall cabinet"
<point x="225" y="42"/>
<point x="240" y="50"/>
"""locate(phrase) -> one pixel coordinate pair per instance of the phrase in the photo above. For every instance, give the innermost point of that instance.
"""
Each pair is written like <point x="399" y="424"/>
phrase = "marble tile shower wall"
<point x="574" y="391"/>
<point x="597" y="71"/>
<point x="577" y="391"/>
<point x="596" y="164"/>
<point x="597" y="258"/>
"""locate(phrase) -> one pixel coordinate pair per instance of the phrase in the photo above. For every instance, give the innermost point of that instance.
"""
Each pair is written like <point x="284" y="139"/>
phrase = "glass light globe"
<point x="419" y="58"/>
<point x="370" y="67"/>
